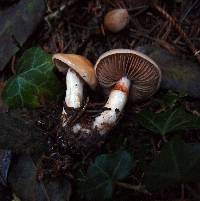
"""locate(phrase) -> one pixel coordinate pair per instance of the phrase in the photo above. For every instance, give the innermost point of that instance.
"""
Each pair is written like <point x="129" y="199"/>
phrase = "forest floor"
<point x="76" y="26"/>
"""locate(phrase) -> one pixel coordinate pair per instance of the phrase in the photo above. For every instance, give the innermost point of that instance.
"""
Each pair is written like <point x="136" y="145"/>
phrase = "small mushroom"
<point x="78" y="70"/>
<point x="122" y="69"/>
<point x="116" y="20"/>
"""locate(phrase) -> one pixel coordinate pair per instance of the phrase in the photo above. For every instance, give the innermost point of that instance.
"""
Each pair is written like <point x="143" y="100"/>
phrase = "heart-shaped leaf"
<point x="178" y="162"/>
<point x="167" y="100"/>
<point x="168" y="121"/>
<point x="108" y="168"/>
<point x="34" y="80"/>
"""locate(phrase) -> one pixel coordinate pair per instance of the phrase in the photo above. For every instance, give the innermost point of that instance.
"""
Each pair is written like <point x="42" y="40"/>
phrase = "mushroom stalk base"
<point x="115" y="104"/>
<point x="74" y="92"/>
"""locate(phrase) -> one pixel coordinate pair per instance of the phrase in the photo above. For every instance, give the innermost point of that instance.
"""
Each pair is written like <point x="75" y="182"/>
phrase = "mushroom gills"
<point x="115" y="104"/>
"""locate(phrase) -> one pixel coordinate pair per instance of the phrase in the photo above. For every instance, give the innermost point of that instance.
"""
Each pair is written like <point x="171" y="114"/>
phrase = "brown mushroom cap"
<point x="115" y="20"/>
<point x="144" y="74"/>
<point x="82" y="66"/>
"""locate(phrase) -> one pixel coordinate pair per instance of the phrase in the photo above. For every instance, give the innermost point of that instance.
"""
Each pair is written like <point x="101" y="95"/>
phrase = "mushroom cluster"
<point x="125" y="73"/>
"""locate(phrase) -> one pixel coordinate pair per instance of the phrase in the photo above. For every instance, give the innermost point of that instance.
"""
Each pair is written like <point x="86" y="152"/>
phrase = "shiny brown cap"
<point x="82" y="66"/>
<point x="116" y="20"/>
<point x="142" y="71"/>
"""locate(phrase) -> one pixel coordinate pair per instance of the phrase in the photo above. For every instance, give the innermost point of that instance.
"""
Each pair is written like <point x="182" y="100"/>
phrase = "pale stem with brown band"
<point x="115" y="104"/>
<point x="125" y="66"/>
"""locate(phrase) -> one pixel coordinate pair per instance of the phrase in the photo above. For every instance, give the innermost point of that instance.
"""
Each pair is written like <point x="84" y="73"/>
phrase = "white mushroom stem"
<point x="115" y="104"/>
<point x="74" y="91"/>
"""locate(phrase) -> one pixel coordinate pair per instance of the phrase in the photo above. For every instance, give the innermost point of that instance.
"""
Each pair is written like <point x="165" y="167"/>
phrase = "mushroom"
<point x="116" y="20"/>
<point x="78" y="70"/>
<point x="124" y="69"/>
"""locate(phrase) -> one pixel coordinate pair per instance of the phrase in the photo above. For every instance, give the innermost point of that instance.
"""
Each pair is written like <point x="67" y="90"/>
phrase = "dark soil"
<point x="76" y="26"/>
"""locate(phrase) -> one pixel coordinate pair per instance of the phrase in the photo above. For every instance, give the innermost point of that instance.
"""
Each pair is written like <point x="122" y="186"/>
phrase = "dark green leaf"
<point x="178" y="162"/>
<point x="34" y="80"/>
<point x="17" y="24"/>
<point x="23" y="181"/>
<point x="168" y="121"/>
<point x="167" y="100"/>
<point x="108" y="168"/>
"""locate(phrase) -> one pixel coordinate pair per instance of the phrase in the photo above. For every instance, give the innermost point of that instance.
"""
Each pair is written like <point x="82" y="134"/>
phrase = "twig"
<point x="182" y="192"/>
<point x="82" y="26"/>
<point x="161" y="42"/>
<point x="162" y="29"/>
<point x="145" y="7"/>
<point x="178" y="28"/>
<point x="13" y="65"/>
<point x="194" y="194"/>
<point x="138" y="188"/>
<point x="54" y="15"/>
<point x="48" y="7"/>
<point x="188" y="11"/>
<point x="164" y="139"/>
<point x="141" y="10"/>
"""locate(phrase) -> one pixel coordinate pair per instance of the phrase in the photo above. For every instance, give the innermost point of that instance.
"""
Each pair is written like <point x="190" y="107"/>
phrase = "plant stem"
<point x="193" y="193"/>
<point x="164" y="139"/>
<point x="138" y="188"/>
<point x="182" y="192"/>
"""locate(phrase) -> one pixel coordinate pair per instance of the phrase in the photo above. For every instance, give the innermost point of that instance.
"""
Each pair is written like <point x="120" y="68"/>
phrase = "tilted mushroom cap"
<point x="144" y="74"/>
<point x="115" y="20"/>
<point x="82" y="66"/>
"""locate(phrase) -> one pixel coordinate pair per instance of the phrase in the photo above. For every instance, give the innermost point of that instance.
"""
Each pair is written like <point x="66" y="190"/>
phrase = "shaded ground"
<point x="77" y="27"/>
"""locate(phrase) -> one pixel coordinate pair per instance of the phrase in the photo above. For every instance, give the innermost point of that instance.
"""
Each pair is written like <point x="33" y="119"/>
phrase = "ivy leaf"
<point x="108" y="168"/>
<point x="167" y="100"/>
<point x="178" y="162"/>
<point x="33" y="81"/>
<point x="168" y="121"/>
